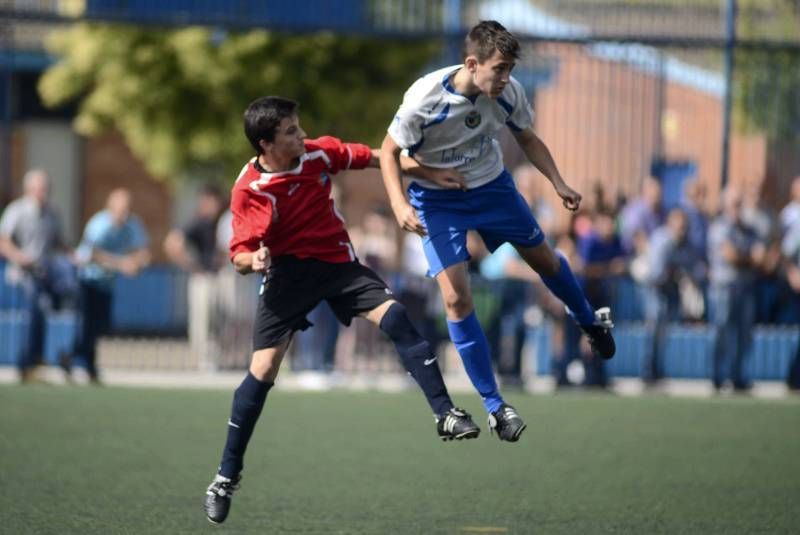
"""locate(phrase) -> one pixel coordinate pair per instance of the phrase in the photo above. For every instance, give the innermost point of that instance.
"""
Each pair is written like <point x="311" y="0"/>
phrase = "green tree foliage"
<point x="766" y="82"/>
<point x="177" y="95"/>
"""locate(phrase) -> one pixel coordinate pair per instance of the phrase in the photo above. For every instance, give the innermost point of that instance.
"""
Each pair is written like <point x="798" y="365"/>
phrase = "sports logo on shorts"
<point x="473" y="119"/>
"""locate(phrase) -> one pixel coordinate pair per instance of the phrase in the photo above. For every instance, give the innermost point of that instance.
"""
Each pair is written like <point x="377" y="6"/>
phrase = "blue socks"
<point x="248" y="400"/>
<point x="417" y="357"/>
<point x="470" y="341"/>
<point x="566" y="287"/>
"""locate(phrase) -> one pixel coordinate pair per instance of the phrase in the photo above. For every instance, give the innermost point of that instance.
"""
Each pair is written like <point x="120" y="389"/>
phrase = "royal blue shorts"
<point x="495" y="210"/>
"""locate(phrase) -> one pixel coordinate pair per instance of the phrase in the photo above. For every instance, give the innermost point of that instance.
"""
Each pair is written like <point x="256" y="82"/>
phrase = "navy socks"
<point x="248" y="400"/>
<point x="417" y="357"/>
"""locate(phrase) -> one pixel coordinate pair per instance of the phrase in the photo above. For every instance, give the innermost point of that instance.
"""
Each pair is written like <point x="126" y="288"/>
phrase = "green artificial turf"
<point x="118" y="460"/>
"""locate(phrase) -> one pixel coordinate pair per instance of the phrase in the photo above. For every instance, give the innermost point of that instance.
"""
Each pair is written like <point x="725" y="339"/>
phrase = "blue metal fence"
<point x="687" y="351"/>
<point x="155" y="304"/>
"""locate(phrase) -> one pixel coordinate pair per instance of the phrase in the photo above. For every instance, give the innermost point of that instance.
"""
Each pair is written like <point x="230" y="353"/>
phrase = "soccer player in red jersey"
<point x="286" y="226"/>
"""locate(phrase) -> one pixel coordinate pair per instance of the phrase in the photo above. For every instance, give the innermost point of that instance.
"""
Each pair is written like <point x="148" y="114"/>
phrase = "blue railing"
<point x="155" y="304"/>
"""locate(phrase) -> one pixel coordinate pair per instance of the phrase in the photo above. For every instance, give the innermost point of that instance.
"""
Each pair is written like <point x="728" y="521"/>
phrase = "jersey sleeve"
<point x="514" y="101"/>
<point x="250" y="221"/>
<point x="342" y="156"/>
<point x="406" y="127"/>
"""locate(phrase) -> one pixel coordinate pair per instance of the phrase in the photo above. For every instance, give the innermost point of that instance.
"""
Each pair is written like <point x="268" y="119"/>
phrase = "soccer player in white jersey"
<point x="449" y="119"/>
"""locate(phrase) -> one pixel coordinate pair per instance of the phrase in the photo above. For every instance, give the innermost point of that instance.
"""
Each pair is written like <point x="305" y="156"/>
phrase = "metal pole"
<point x="730" y="47"/>
<point x="661" y="102"/>
<point x="6" y="47"/>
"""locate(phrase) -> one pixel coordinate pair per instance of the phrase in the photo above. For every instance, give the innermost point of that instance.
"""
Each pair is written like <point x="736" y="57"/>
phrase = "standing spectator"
<point x="114" y="241"/>
<point x="764" y="221"/>
<point x="510" y="280"/>
<point x="375" y="242"/>
<point x="194" y="249"/>
<point x="375" y="245"/>
<point x="673" y="264"/>
<point x="734" y="252"/>
<point x="603" y="260"/>
<point x="693" y="206"/>
<point x="30" y="236"/>
<point x="791" y="212"/>
<point x="641" y="217"/>
<point x="791" y="252"/>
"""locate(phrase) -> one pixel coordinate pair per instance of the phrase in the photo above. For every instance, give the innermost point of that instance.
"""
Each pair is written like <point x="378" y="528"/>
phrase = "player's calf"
<point x="417" y="357"/>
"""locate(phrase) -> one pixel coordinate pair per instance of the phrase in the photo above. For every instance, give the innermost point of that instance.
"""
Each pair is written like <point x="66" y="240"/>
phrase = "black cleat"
<point x="599" y="334"/>
<point x="456" y="424"/>
<point x="218" y="498"/>
<point x="507" y="423"/>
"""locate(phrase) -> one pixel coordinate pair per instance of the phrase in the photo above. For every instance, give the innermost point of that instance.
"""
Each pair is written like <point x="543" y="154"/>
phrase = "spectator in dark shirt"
<point x="603" y="260"/>
<point x="194" y="249"/>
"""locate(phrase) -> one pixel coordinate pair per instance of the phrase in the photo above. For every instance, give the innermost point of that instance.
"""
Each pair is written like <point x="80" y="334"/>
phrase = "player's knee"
<point x="264" y="365"/>
<point x="457" y="304"/>
<point x="410" y="345"/>
<point x="397" y="326"/>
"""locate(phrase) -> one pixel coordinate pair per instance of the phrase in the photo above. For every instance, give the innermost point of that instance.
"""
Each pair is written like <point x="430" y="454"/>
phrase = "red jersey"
<point x="291" y="212"/>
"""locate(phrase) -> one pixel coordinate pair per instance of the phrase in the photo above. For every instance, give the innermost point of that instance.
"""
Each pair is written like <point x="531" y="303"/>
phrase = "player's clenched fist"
<point x="260" y="260"/>
<point x="571" y="198"/>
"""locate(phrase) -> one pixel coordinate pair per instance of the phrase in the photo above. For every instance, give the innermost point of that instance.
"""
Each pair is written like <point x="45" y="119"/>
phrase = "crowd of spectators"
<point x="52" y="276"/>
<point x="729" y="267"/>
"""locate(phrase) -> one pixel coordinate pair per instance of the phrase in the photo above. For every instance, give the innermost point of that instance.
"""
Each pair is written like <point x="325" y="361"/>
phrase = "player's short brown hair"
<point x="486" y="37"/>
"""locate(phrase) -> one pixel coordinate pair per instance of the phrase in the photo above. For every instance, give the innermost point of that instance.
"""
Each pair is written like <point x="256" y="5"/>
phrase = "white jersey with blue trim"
<point x="443" y="128"/>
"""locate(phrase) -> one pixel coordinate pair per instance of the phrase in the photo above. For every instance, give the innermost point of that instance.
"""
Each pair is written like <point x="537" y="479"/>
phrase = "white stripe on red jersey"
<point x="309" y="225"/>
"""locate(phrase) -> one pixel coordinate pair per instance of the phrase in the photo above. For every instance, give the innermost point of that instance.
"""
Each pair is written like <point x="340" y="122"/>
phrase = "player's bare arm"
<point x="444" y="178"/>
<point x="393" y="182"/>
<point x="539" y="155"/>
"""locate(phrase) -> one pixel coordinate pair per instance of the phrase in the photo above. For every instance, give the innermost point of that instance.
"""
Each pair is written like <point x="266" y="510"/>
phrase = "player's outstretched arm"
<point x="444" y="178"/>
<point x="393" y="182"/>
<point x="539" y="155"/>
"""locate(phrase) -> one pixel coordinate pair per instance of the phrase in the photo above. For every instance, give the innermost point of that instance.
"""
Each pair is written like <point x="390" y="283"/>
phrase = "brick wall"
<point x="600" y="120"/>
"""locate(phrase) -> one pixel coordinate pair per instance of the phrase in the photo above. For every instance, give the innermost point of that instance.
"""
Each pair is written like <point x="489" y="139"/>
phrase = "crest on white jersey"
<point x="473" y="119"/>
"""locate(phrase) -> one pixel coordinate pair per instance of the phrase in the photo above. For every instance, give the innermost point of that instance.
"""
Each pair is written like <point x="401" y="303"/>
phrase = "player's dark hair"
<point x="486" y="37"/>
<point x="263" y="116"/>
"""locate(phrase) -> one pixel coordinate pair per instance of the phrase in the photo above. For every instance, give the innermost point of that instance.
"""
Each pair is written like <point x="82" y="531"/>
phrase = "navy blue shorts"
<point x="495" y="210"/>
<point x="293" y="287"/>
